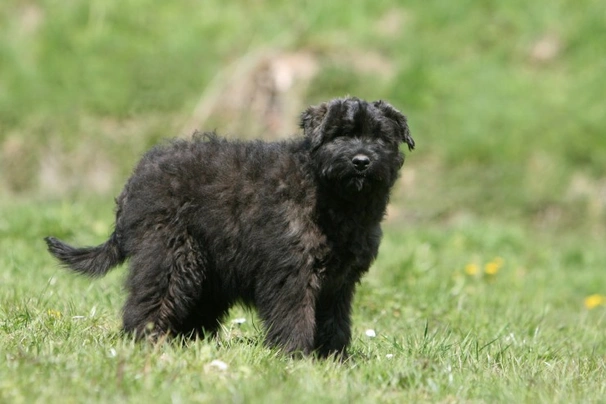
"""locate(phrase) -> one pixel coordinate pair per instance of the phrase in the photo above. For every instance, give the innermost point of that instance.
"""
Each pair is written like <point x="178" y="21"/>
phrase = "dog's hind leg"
<point x="211" y="307"/>
<point x="165" y="282"/>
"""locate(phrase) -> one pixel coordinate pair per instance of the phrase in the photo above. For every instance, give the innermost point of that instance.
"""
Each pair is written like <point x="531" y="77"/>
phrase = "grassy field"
<point x="490" y="285"/>
<point x="478" y="311"/>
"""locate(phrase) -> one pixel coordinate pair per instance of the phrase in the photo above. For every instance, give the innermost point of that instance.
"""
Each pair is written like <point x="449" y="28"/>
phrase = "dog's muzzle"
<point x="360" y="162"/>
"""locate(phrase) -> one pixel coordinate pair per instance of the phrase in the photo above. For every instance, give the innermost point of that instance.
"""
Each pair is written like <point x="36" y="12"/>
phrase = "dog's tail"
<point x="90" y="261"/>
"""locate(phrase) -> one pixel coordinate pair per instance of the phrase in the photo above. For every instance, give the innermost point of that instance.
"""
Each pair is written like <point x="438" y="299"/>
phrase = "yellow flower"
<point x="494" y="266"/>
<point x="54" y="313"/>
<point x="593" y="301"/>
<point x="471" y="269"/>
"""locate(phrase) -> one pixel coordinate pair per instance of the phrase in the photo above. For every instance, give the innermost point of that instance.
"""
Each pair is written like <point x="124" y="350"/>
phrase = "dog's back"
<point x="234" y="188"/>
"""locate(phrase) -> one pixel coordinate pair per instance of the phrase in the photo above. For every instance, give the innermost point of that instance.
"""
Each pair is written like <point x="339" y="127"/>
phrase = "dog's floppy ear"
<point x="311" y="122"/>
<point x="400" y="121"/>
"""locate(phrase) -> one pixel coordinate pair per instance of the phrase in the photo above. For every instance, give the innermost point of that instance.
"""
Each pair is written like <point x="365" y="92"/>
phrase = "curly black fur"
<point x="287" y="227"/>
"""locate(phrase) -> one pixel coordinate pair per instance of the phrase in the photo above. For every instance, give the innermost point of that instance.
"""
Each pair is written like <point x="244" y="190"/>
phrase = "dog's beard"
<point x="347" y="180"/>
<point x="358" y="183"/>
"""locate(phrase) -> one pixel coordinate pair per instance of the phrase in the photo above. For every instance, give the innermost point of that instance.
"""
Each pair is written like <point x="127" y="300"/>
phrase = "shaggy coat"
<point x="286" y="227"/>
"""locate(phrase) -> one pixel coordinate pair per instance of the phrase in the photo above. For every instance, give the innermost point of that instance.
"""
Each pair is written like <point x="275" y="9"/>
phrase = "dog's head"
<point x="355" y="144"/>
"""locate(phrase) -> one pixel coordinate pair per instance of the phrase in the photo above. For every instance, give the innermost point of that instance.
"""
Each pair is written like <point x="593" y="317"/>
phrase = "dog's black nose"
<point x="361" y="162"/>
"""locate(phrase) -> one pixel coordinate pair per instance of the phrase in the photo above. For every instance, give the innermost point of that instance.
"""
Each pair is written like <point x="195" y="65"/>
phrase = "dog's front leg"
<point x="287" y="307"/>
<point x="333" y="320"/>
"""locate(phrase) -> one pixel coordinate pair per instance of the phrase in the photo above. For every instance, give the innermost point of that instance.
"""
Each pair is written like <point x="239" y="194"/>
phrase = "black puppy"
<point x="286" y="227"/>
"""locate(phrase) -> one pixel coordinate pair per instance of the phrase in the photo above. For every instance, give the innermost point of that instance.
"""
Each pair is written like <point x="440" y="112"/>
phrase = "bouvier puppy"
<point x="286" y="227"/>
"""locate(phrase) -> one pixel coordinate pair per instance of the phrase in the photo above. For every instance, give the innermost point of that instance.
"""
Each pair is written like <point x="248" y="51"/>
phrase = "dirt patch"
<point x="258" y="95"/>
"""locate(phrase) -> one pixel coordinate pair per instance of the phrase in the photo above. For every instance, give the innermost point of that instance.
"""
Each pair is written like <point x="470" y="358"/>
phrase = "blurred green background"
<point x="505" y="98"/>
<point x="489" y="286"/>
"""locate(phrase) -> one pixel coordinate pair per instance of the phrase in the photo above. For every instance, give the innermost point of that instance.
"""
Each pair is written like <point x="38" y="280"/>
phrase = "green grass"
<point x="522" y="334"/>
<point x="505" y="102"/>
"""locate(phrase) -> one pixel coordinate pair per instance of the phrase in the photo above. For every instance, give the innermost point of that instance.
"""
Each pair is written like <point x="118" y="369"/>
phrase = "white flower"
<point x="371" y="333"/>
<point x="218" y="364"/>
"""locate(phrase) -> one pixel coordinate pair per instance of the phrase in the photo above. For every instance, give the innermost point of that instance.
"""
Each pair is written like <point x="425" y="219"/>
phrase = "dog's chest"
<point x="351" y="256"/>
